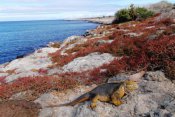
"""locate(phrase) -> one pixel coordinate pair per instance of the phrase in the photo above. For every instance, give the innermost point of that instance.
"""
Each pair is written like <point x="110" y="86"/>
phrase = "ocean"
<point x="18" y="38"/>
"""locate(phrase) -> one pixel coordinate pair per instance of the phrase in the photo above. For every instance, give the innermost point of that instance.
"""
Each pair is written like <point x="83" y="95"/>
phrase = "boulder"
<point x="88" y="62"/>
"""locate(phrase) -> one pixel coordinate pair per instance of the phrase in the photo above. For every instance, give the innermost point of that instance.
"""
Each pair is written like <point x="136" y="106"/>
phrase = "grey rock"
<point x="154" y="98"/>
<point x="152" y="37"/>
<point x="88" y="62"/>
<point x="157" y="113"/>
<point x="71" y="39"/>
<point x="3" y="74"/>
<point x="150" y="27"/>
<point x="54" y="71"/>
<point x="155" y="76"/>
<point x="172" y="26"/>
<point x="14" y="77"/>
<point x="101" y="42"/>
<point x="170" y="14"/>
<point x="159" y="32"/>
<point x="133" y="34"/>
<point x="119" y="77"/>
<point x="21" y="95"/>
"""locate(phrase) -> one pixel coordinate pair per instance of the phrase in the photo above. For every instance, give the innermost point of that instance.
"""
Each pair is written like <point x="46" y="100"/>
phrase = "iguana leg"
<point x="117" y="102"/>
<point x="94" y="102"/>
<point x="117" y="95"/>
<point x="100" y="98"/>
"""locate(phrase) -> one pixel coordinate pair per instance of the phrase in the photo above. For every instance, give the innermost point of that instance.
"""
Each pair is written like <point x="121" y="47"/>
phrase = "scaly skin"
<point x="108" y="92"/>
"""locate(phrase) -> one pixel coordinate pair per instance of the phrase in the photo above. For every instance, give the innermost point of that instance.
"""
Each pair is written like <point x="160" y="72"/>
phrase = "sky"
<point x="17" y="10"/>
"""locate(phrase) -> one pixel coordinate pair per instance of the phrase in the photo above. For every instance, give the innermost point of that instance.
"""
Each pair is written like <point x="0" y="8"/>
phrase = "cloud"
<point x="47" y="9"/>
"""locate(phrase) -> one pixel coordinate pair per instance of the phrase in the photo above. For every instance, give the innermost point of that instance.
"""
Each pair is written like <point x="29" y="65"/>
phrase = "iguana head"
<point x="132" y="82"/>
<point x="130" y="85"/>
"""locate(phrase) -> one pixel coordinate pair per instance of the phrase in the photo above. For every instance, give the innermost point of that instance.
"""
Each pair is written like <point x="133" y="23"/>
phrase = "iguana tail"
<point x="80" y="99"/>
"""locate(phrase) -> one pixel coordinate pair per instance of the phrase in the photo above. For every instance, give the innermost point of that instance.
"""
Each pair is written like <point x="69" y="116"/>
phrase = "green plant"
<point x="131" y="14"/>
<point x="123" y="16"/>
<point x="143" y="13"/>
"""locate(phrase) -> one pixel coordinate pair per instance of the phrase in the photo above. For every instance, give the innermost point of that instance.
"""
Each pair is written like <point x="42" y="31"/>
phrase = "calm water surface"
<point x="22" y="37"/>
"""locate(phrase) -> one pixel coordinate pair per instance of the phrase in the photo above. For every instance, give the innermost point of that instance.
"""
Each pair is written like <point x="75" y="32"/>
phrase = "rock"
<point x="119" y="77"/>
<point x="161" y="7"/>
<point x="152" y="37"/>
<point x="3" y="74"/>
<point x="101" y="42"/>
<point x="170" y="14"/>
<point x="161" y="113"/>
<point x="150" y="27"/>
<point x="159" y="32"/>
<point x="71" y="42"/>
<point x="157" y="113"/>
<point x="169" y="105"/>
<point x="88" y="62"/>
<point x="13" y="77"/>
<point x="54" y="44"/>
<point x="71" y="39"/>
<point x="172" y="26"/>
<point x="101" y="20"/>
<point x="87" y="33"/>
<point x="133" y="34"/>
<point x="129" y="76"/>
<point x="154" y="98"/>
<point x="54" y="71"/>
<point x="25" y="95"/>
<point x="145" y="103"/>
<point x="155" y="76"/>
<point x="24" y="67"/>
<point x="36" y="60"/>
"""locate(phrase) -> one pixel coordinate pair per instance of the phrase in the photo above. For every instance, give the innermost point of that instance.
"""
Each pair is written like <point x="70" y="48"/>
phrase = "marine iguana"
<point x="108" y="92"/>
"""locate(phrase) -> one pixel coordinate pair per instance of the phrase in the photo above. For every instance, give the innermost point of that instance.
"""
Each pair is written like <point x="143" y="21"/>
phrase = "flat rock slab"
<point x="88" y="62"/>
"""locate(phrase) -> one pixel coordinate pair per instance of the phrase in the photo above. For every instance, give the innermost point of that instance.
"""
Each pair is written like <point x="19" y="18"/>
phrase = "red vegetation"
<point x="134" y="53"/>
<point x="137" y="52"/>
<point x="42" y="71"/>
<point x="38" y="85"/>
<point x="2" y="79"/>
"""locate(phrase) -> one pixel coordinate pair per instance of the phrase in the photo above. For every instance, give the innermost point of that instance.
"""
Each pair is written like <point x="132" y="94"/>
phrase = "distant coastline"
<point x="99" y="20"/>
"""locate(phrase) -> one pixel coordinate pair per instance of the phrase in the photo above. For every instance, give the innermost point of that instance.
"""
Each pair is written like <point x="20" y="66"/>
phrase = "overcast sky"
<point x="62" y="9"/>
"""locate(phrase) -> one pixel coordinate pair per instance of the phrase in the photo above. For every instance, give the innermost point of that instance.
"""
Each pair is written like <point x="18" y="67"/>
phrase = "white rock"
<point x="13" y="77"/>
<point x="150" y="27"/>
<point x="88" y="62"/>
<point x="39" y="59"/>
<point x="54" y="71"/>
<point x="134" y="34"/>
<point x="70" y="39"/>
<point x="66" y="44"/>
<point x="3" y="74"/>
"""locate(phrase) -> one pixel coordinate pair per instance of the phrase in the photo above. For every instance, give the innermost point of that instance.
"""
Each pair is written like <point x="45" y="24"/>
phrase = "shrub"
<point x="132" y="13"/>
<point x="143" y="13"/>
<point x="122" y="16"/>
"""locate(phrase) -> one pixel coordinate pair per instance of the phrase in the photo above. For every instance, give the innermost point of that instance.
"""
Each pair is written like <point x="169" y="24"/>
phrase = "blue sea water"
<point x="19" y="38"/>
